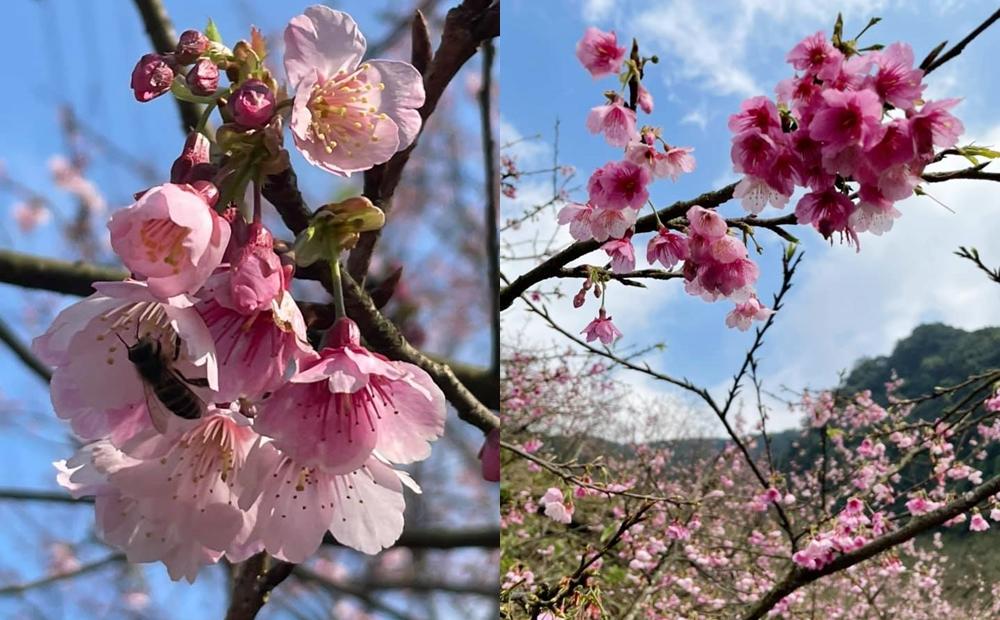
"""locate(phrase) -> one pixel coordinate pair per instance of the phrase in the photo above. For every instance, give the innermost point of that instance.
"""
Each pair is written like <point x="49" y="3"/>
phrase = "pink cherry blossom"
<point x="599" y="53"/>
<point x="602" y="329"/>
<point x="978" y="523"/>
<point x="671" y="162"/>
<point x="667" y="248"/>
<point x="348" y="115"/>
<point x="993" y="403"/>
<point x="933" y="125"/>
<point x="706" y="222"/>
<point x="619" y="185"/>
<point x="94" y="385"/>
<point x="556" y="507"/>
<point x="743" y="315"/>
<point x="752" y="152"/>
<point x="896" y="82"/>
<point x="758" y="114"/>
<point x="755" y="194"/>
<point x="828" y="212"/>
<point x="920" y="505"/>
<point x="614" y="120"/>
<point x="170" y="238"/>
<point x="816" y="56"/>
<point x="296" y="505"/>
<point x="255" y="277"/>
<point x="846" y="119"/>
<point x="621" y="253"/>
<point x="348" y="402"/>
<point x="256" y="349"/>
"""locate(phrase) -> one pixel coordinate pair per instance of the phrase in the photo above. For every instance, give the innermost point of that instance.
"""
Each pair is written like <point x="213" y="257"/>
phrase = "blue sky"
<point x="713" y="55"/>
<point x="82" y="53"/>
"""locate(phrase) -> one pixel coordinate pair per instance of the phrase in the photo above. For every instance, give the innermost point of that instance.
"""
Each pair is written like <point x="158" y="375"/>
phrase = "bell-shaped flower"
<point x="171" y="238"/>
<point x="348" y="402"/>
<point x="347" y="115"/>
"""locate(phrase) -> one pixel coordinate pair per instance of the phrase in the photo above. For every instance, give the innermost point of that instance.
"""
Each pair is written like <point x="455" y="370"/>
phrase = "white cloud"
<point x="697" y="117"/>
<point x="597" y="10"/>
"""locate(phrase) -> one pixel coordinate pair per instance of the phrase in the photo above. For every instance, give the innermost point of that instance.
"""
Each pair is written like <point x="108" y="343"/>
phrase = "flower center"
<point x="345" y="110"/>
<point x="163" y="241"/>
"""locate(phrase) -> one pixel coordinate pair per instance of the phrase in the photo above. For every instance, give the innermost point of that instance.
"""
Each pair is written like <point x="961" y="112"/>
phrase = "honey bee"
<point x="167" y="390"/>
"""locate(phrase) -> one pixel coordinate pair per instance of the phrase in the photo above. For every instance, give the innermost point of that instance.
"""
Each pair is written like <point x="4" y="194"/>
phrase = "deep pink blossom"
<point x="151" y="77"/>
<point x="667" y="248"/>
<point x="614" y="120"/>
<point x="253" y="104"/>
<point x="896" y="82"/>
<point x="602" y="329"/>
<point x="348" y="115"/>
<point x="828" y="212"/>
<point x="599" y="53"/>
<point x="753" y="152"/>
<point x="170" y="238"/>
<point x="619" y="185"/>
<point x="847" y="118"/>
<point x="933" y="125"/>
<point x="758" y="114"/>
<point x="817" y="56"/>
<point x="672" y="162"/>
<point x="348" y="402"/>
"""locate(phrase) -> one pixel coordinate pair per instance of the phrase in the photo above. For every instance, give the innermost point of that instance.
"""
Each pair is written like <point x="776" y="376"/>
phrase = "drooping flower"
<point x="978" y="523"/>
<point x="347" y="115"/>
<point x="828" y="212"/>
<point x="933" y="125"/>
<point x="296" y="505"/>
<point x="347" y="402"/>
<point x="619" y="185"/>
<point x="621" y="253"/>
<point x="94" y="385"/>
<point x="170" y="238"/>
<point x="644" y="100"/>
<point x="602" y="329"/>
<point x="599" y="52"/>
<point x="667" y="248"/>
<point x="614" y="120"/>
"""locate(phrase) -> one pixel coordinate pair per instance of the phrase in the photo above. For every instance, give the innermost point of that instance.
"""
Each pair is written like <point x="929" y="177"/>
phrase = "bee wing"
<point x="158" y="414"/>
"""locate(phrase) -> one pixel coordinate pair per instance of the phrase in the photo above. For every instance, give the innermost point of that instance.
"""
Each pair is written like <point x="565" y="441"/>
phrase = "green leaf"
<point x="971" y="152"/>
<point x="212" y="31"/>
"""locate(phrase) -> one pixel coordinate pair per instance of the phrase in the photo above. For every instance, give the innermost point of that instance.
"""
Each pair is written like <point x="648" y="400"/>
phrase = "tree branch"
<point x="933" y="60"/>
<point x="8" y="336"/>
<point x="254" y="581"/>
<point x="71" y="278"/>
<point x="21" y="588"/>
<point x="492" y="199"/>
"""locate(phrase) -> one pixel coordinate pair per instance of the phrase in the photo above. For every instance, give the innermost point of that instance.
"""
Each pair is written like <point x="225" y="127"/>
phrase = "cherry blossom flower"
<point x="489" y="456"/>
<point x="348" y="402"/>
<point x="816" y="56"/>
<point x="644" y="100"/>
<point x="667" y="248"/>
<point x="896" y="82"/>
<point x="672" y="162"/>
<point x="599" y="53"/>
<point x="978" y="523"/>
<point x="619" y="185"/>
<point x="348" y="115"/>
<point x="602" y="329"/>
<point x="921" y="505"/>
<point x="745" y="313"/>
<point x="846" y="119"/>
<point x="614" y="120"/>
<point x="933" y="125"/>
<point x="556" y="507"/>
<point x="94" y="385"/>
<point x="170" y="238"/>
<point x="622" y="254"/>
<point x="755" y="194"/>
<point x="993" y="403"/>
<point x="30" y="215"/>
<point x="756" y="114"/>
<point x="828" y="212"/>
<point x="296" y="505"/>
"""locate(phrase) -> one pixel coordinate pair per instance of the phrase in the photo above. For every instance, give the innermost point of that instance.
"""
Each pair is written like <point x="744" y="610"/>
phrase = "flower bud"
<point x="580" y="298"/>
<point x="191" y="45"/>
<point x="203" y="78"/>
<point x="208" y="191"/>
<point x="343" y="333"/>
<point x="336" y="227"/>
<point x="252" y="105"/>
<point x="151" y="77"/>
<point x="194" y="164"/>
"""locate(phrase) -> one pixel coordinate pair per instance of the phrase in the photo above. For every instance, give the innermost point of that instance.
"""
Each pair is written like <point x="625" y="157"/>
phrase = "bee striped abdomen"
<point x="178" y="398"/>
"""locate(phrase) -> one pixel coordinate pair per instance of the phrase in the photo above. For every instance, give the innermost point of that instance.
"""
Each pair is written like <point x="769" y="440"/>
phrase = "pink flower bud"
<point x="252" y="105"/>
<point x="489" y="456"/>
<point x="194" y="164"/>
<point x="151" y="77"/>
<point x="580" y="298"/>
<point x="191" y="45"/>
<point x="203" y="78"/>
<point x="343" y="333"/>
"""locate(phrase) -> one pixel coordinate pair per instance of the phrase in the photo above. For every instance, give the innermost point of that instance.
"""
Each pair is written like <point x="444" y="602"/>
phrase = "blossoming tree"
<point x="844" y="520"/>
<point x="219" y="418"/>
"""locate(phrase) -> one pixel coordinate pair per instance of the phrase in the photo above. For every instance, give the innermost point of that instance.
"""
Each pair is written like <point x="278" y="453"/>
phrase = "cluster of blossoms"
<point x="715" y="263"/>
<point x="851" y="129"/>
<point x="213" y="428"/>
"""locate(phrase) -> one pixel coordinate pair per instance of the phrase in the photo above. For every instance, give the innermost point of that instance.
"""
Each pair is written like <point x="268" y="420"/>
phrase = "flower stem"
<point x="337" y="285"/>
